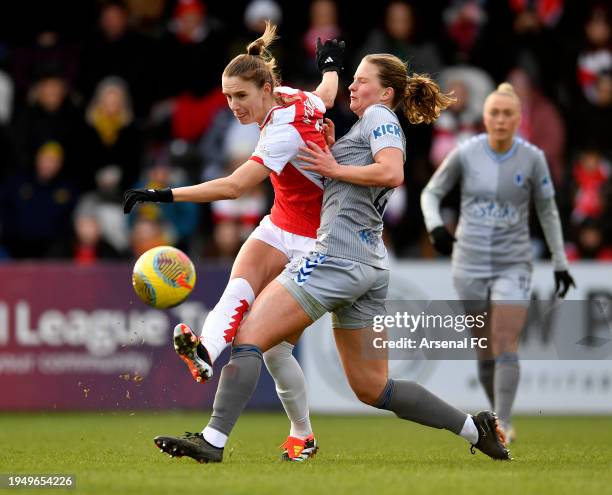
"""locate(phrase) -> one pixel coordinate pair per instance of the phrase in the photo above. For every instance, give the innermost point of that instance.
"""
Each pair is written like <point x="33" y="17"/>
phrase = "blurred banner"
<point x="559" y="383"/>
<point x="79" y="338"/>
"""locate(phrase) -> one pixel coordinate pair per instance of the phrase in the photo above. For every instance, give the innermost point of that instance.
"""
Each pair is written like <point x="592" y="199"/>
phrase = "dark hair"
<point x="257" y="64"/>
<point x="421" y="97"/>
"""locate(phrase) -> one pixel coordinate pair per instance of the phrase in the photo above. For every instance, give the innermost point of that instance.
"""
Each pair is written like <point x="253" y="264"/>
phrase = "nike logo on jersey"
<point x="386" y="130"/>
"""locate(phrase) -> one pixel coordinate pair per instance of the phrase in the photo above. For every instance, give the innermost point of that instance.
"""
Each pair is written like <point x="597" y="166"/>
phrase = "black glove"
<point x="330" y="55"/>
<point x="563" y="281"/>
<point x="442" y="240"/>
<point x="133" y="196"/>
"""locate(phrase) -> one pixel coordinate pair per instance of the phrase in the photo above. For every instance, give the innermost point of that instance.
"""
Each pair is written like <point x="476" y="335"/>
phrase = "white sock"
<point x="469" y="430"/>
<point x="223" y="321"/>
<point x="214" y="437"/>
<point x="290" y="387"/>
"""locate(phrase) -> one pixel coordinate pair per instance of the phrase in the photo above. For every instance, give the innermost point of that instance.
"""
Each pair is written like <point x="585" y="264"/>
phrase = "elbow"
<point x="394" y="179"/>
<point x="235" y="190"/>
<point x="328" y="101"/>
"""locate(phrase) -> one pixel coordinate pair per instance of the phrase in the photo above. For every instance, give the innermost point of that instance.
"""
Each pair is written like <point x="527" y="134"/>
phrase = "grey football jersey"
<point x="351" y="218"/>
<point x="493" y="230"/>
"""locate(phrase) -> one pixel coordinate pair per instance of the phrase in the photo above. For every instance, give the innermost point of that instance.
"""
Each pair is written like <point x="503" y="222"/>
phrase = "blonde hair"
<point x="257" y="64"/>
<point x="505" y="89"/>
<point x="422" y="98"/>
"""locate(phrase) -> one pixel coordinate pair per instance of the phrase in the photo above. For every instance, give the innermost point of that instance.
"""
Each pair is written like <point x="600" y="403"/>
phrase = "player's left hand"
<point x="330" y="55"/>
<point x="563" y="281"/>
<point x="321" y="160"/>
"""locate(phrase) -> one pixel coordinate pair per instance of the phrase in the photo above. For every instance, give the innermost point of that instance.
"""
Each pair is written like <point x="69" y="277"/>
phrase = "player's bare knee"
<point x="368" y="392"/>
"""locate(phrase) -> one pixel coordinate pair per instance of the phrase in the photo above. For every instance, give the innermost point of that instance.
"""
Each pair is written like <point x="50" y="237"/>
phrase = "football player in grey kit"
<point x="499" y="174"/>
<point x="348" y="272"/>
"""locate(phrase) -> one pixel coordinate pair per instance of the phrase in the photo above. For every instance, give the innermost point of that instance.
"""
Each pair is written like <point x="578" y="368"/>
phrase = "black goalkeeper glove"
<point x="442" y="240"/>
<point x="133" y="196"/>
<point x="563" y="281"/>
<point x="330" y="55"/>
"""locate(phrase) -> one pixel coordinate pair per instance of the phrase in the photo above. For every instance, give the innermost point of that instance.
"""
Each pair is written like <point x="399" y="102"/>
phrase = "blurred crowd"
<point x="97" y="97"/>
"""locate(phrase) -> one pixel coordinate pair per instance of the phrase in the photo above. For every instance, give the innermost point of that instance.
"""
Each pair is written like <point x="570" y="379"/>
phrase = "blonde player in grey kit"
<point x="499" y="175"/>
<point x="348" y="272"/>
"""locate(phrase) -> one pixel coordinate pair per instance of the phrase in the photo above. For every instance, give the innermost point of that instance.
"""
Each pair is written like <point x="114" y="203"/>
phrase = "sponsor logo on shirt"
<point x="493" y="213"/>
<point x="369" y="237"/>
<point x="386" y="130"/>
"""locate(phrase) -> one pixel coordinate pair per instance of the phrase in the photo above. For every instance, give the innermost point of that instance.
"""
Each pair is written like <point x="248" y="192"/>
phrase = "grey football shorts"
<point x="354" y="292"/>
<point x="512" y="286"/>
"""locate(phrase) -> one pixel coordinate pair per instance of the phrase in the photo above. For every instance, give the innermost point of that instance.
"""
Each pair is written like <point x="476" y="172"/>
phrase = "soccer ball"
<point x="163" y="277"/>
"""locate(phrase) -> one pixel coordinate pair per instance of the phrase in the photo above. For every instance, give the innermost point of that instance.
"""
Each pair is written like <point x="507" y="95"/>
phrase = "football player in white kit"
<point x="288" y="118"/>
<point x="500" y="174"/>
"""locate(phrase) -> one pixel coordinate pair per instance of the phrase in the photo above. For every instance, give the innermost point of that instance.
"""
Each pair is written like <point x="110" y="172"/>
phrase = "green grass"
<point x="113" y="453"/>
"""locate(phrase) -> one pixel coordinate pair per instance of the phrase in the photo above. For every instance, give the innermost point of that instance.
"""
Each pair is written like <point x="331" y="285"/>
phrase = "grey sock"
<point x="236" y="385"/>
<point x="486" y="372"/>
<point x="507" y="373"/>
<point x="409" y="400"/>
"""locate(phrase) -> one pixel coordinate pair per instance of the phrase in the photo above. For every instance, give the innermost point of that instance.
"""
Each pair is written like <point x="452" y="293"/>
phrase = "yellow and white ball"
<point x="163" y="277"/>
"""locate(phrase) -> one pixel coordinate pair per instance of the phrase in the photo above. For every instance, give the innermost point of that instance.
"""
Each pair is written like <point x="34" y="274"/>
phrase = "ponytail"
<point x="421" y="97"/>
<point x="257" y="64"/>
<point x="424" y="100"/>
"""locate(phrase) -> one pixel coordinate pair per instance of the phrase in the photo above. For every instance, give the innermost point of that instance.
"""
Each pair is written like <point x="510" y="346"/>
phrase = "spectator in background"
<point x="398" y="36"/>
<point x="191" y="57"/>
<point x="463" y="119"/>
<point x="114" y="49"/>
<point x="596" y="57"/>
<point x="464" y="21"/>
<point x="86" y="246"/>
<point x="35" y="209"/>
<point x="177" y="221"/>
<point x="324" y="24"/>
<point x="47" y="53"/>
<point x="192" y="53"/>
<point x="591" y="175"/>
<point x="534" y="39"/>
<point x="104" y="205"/>
<point x="234" y="220"/>
<point x="111" y="137"/>
<point x="49" y="116"/>
<point x="146" y="234"/>
<point x="541" y="124"/>
<point x="256" y="14"/>
<point x="589" y="242"/>
<point x="591" y="123"/>
<point x="225" y="140"/>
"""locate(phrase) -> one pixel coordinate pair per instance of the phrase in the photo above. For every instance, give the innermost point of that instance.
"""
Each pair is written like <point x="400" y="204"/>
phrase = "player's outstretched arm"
<point x="330" y="60"/>
<point x="233" y="186"/>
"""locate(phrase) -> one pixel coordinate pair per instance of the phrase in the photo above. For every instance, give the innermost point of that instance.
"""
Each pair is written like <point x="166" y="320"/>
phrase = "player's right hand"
<point x="442" y="240"/>
<point x="133" y="196"/>
<point x="330" y="55"/>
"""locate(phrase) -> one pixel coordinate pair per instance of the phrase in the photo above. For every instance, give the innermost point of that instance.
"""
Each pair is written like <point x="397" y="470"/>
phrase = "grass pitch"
<point x="113" y="453"/>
